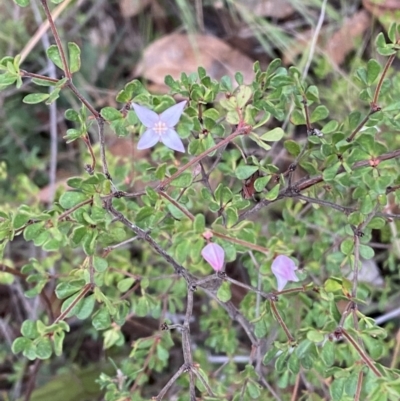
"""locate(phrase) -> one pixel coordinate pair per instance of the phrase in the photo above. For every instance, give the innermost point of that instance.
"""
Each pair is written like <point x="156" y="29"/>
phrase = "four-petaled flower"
<point x="283" y="269"/>
<point x="214" y="254"/>
<point x="160" y="127"/>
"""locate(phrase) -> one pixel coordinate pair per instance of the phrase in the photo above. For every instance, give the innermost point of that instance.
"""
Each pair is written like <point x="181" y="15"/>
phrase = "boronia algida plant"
<point x="244" y="240"/>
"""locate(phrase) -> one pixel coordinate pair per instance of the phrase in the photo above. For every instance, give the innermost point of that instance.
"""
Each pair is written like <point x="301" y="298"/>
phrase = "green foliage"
<point x="116" y="254"/>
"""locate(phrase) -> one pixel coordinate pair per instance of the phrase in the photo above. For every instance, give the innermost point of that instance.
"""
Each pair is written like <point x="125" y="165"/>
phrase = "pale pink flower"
<point x="214" y="254"/>
<point x="283" y="268"/>
<point x="160" y="127"/>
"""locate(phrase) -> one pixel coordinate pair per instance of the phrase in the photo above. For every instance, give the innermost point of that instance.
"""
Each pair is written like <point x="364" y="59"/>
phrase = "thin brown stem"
<point x="11" y="270"/>
<point x="76" y="207"/>
<point x="91" y="167"/>
<point x="280" y="320"/>
<point x="361" y="352"/>
<point x="27" y="74"/>
<point x="57" y="39"/>
<point x="170" y="382"/>
<point x="359" y="126"/>
<point x="241" y="130"/>
<point x="359" y="386"/>
<point x="81" y="295"/>
<point x="381" y="79"/>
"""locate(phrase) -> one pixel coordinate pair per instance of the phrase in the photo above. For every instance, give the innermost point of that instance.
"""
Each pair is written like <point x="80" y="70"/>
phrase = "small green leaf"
<point x="292" y="147"/>
<point x="142" y="307"/>
<point x="273" y="193"/>
<point x="373" y="71"/>
<point x="330" y="127"/>
<point x="34" y="98"/>
<point x="260" y="183"/>
<point x="43" y="348"/>
<point x="74" y="57"/>
<point x="243" y="172"/>
<point x="243" y="95"/>
<point x="328" y="353"/>
<point x="125" y="284"/>
<point x="54" y="95"/>
<point x="366" y="252"/>
<point x="71" y="198"/>
<point x="73" y="134"/>
<point x="89" y="242"/>
<point x="7" y="79"/>
<point x="20" y="344"/>
<point x="20" y="219"/>
<point x="377" y="223"/>
<point x="42" y="82"/>
<point x="320" y="113"/>
<point x="274" y="135"/>
<point x="330" y="173"/>
<point x="226" y="84"/>
<point x="315" y="336"/>
<point x="199" y="223"/>
<point x="258" y="141"/>
<point x="33" y="230"/>
<point x="297" y="117"/>
<point x="350" y="386"/>
<point x="54" y="55"/>
<point x="58" y="338"/>
<point x="239" y="78"/>
<point x="346" y="247"/>
<point x="224" y="292"/>
<point x="184" y="180"/>
<point x="110" y="113"/>
<point x="29" y="330"/>
<point x="380" y="40"/>
<point x="100" y="264"/>
<point x="101" y="319"/>
<point x="253" y="389"/>
<point x="68" y="288"/>
<point x="22" y="3"/>
<point x="84" y="308"/>
<point x="312" y="93"/>
<point x="336" y="389"/>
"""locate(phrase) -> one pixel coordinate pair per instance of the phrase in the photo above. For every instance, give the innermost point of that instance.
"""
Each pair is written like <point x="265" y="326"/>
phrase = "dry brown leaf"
<point x="343" y="41"/>
<point x="130" y="8"/>
<point x="336" y="46"/>
<point x="387" y="11"/>
<point x="279" y="9"/>
<point x="177" y="53"/>
<point x="377" y="8"/>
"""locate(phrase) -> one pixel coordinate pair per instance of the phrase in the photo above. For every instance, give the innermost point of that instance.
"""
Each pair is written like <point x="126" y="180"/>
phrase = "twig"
<point x="57" y="39"/>
<point x="307" y="182"/>
<point x="280" y="320"/>
<point x="241" y="130"/>
<point x="80" y="296"/>
<point x="76" y="207"/>
<point x="361" y="352"/>
<point x="169" y="384"/>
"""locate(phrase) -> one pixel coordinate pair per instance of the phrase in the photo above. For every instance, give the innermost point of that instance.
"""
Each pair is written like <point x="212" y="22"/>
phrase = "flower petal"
<point x="281" y="283"/>
<point x="284" y="270"/>
<point x="172" y="115"/>
<point x="214" y="254"/>
<point x="146" y="116"/>
<point x="171" y="139"/>
<point x="148" y="139"/>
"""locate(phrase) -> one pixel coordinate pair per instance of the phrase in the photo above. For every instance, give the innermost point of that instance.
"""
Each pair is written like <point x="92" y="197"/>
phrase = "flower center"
<point x="160" y="127"/>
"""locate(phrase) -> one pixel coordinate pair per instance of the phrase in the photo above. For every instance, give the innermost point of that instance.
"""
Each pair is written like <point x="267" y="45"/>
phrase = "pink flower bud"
<point x="283" y="268"/>
<point x="214" y="254"/>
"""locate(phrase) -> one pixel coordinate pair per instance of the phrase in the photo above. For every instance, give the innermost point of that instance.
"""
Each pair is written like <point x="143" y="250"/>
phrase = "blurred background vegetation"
<point x="147" y="39"/>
